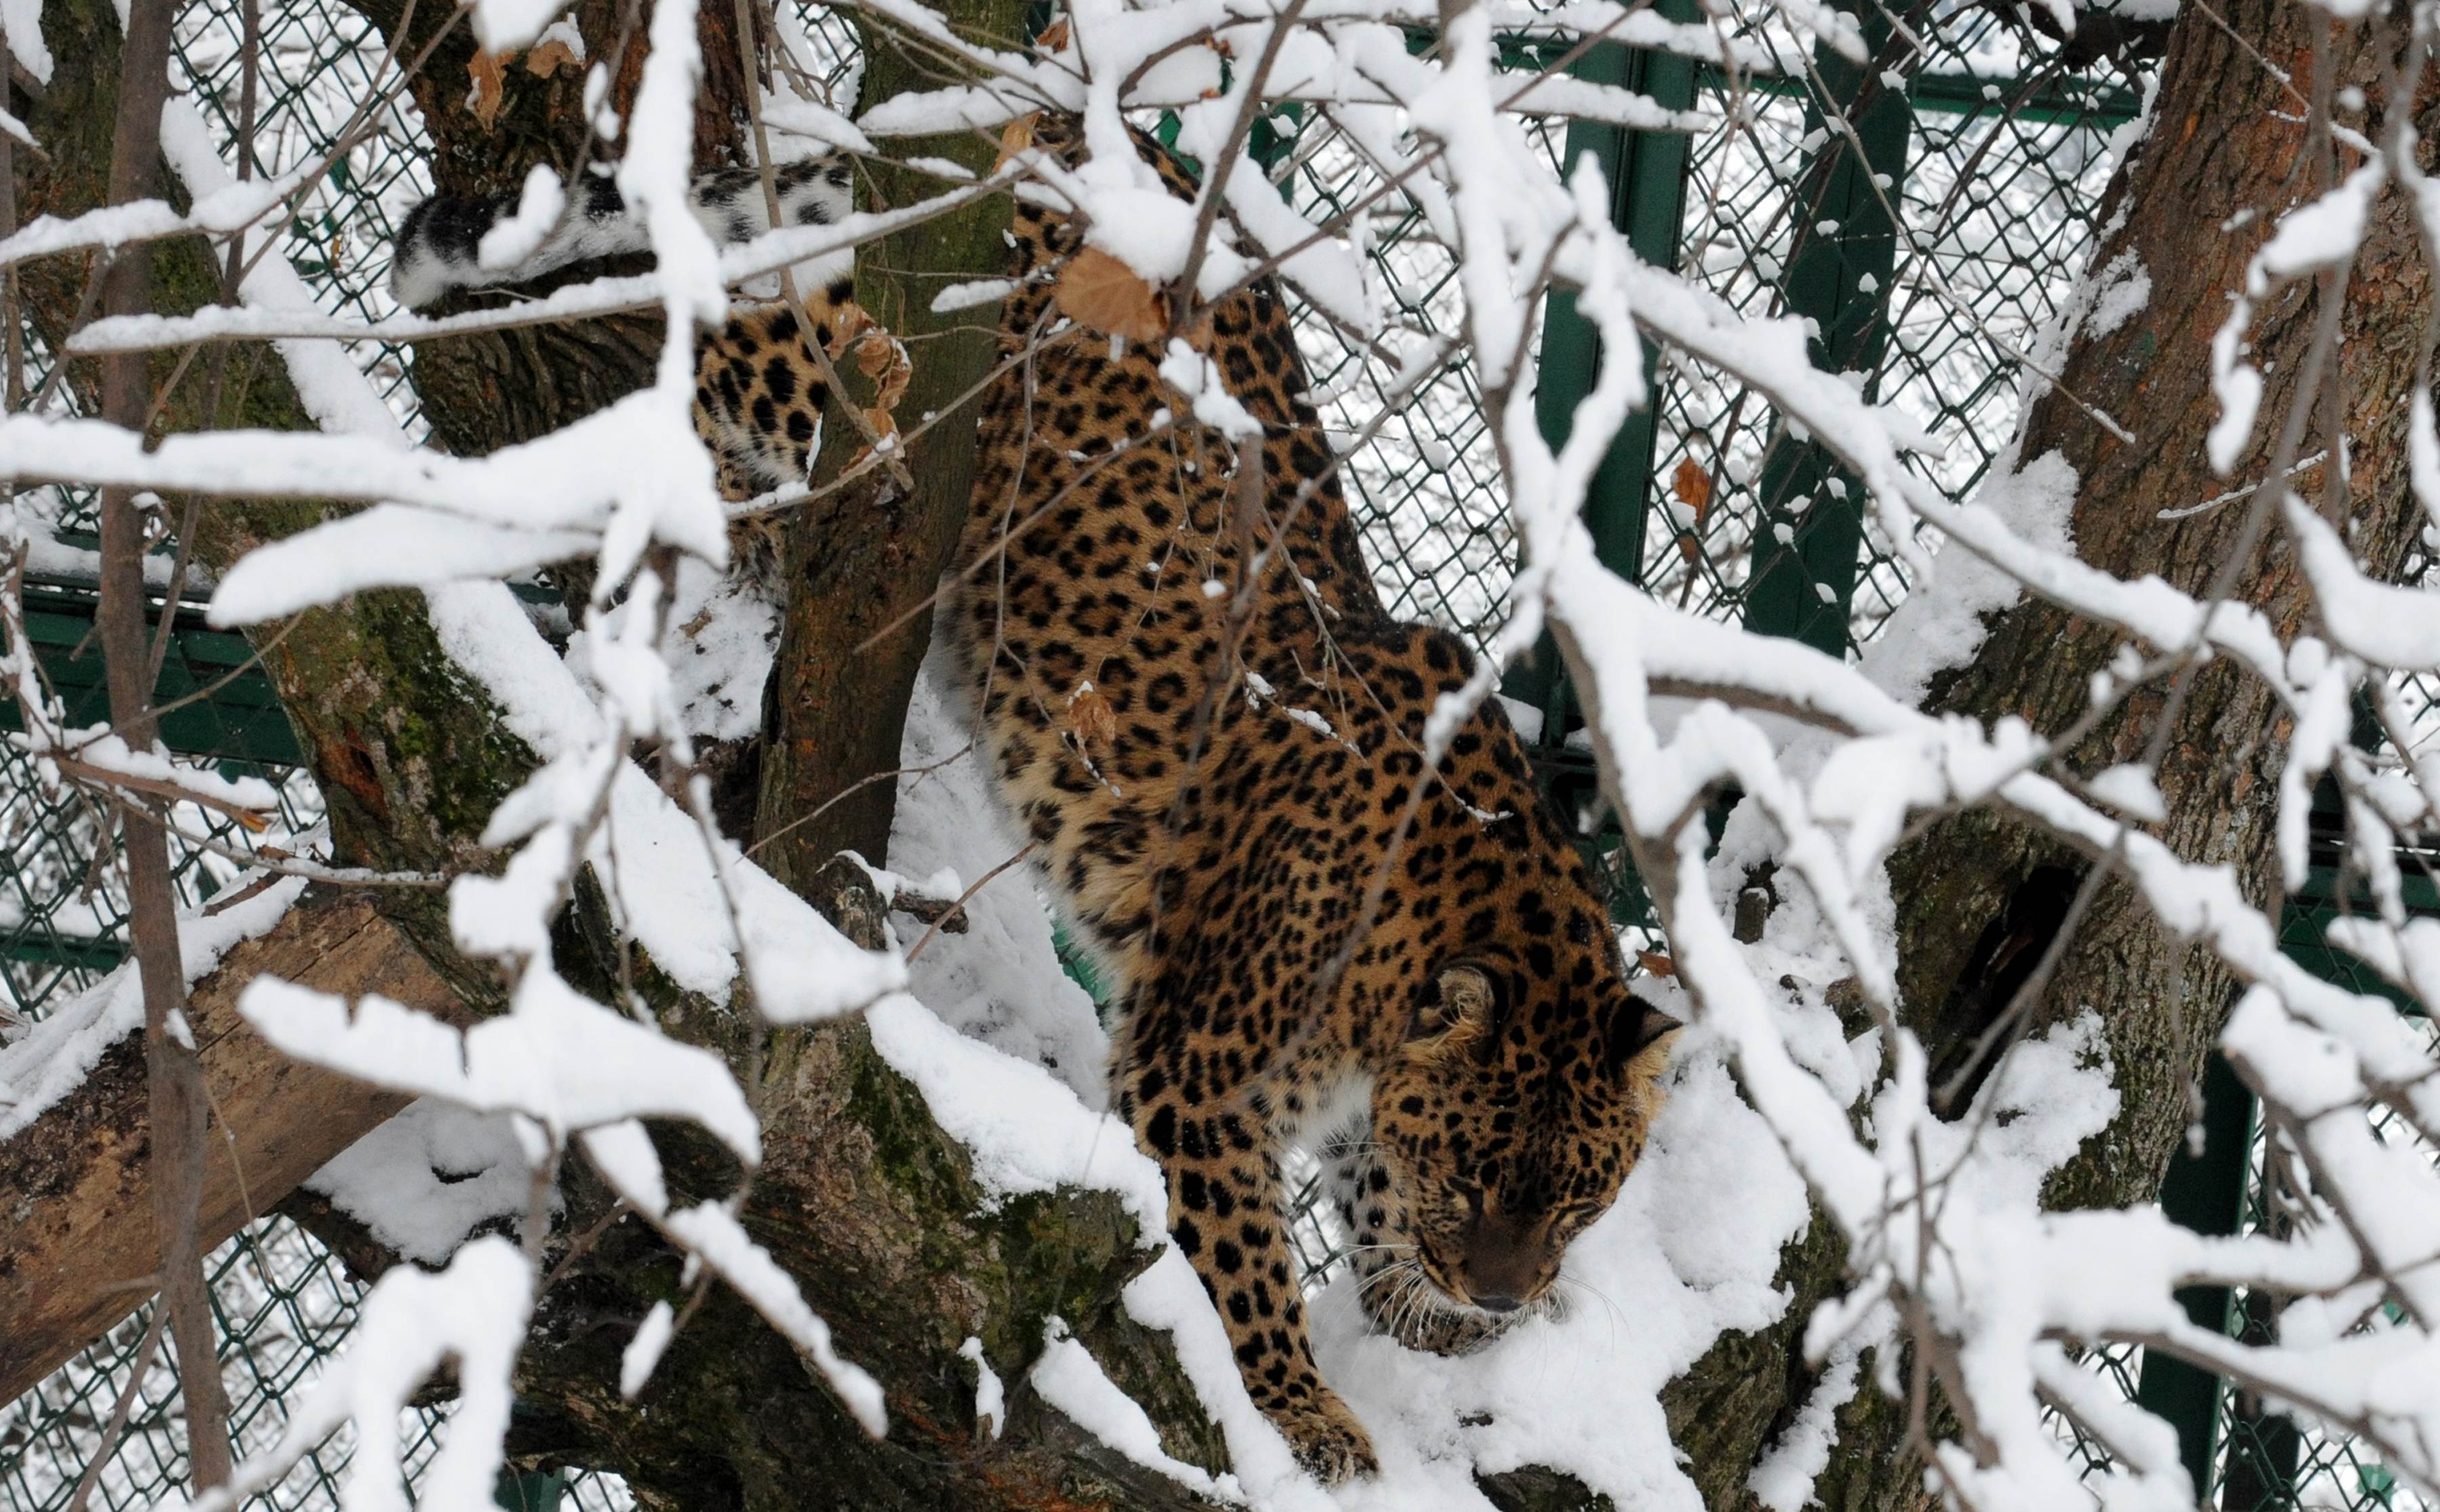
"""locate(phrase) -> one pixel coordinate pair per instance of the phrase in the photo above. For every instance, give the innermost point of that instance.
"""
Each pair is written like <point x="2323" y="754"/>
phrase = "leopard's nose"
<point x="1504" y="1259"/>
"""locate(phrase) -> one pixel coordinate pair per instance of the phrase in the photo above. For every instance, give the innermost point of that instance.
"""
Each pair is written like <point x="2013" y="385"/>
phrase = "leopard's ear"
<point x="1458" y="995"/>
<point x="1639" y="1031"/>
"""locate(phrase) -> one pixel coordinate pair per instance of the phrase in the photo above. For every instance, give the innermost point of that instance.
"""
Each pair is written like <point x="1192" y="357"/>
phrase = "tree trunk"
<point x="862" y="1196"/>
<point x="1979" y="897"/>
<point x="862" y="566"/>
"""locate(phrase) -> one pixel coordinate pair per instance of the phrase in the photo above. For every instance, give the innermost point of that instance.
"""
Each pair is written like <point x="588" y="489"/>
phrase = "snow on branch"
<point x="1949" y="1253"/>
<point x="414" y="1324"/>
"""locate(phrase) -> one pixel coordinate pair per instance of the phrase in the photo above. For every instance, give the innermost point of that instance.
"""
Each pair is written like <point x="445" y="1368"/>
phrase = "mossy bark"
<point x="862" y="1196"/>
<point x="862" y="567"/>
<point x="1982" y="890"/>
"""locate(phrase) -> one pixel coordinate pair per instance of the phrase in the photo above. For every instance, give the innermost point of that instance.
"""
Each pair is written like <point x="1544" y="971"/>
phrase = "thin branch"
<point x="180" y="1110"/>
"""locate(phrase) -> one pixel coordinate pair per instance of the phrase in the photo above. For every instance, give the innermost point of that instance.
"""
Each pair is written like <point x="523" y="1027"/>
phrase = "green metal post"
<point x="1646" y="173"/>
<point x="1845" y="251"/>
<point x="2204" y="1192"/>
<point x="541" y="1491"/>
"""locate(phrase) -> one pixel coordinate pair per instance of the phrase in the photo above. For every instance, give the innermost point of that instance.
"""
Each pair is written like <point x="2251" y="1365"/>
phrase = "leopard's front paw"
<point x="1329" y="1442"/>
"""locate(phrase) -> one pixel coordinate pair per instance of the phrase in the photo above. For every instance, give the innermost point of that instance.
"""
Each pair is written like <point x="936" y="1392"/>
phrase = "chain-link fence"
<point x="1935" y="244"/>
<point x="1933" y="280"/>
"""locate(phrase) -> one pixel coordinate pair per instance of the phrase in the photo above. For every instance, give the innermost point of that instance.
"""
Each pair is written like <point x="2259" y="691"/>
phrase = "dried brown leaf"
<point x="1015" y="138"/>
<point x="1692" y="486"/>
<point x="553" y="57"/>
<point x="491" y="87"/>
<point x="1659" y="964"/>
<point x="847" y="326"/>
<point x="1101" y="293"/>
<point x="884" y="360"/>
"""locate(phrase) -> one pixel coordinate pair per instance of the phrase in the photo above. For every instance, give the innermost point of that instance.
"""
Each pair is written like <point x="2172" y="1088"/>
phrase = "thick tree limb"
<point x="82" y="1251"/>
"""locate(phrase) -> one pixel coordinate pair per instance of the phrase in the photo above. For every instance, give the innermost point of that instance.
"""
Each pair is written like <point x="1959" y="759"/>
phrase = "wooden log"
<point x="81" y="1248"/>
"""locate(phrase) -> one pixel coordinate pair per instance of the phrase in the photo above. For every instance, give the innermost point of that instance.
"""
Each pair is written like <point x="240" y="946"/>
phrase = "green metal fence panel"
<point x="1933" y="262"/>
<point x="1995" y="217"/>
<point x="1645" y="172"/>
<point x="2205" y="1191"/>
<point x="214" y="699"/>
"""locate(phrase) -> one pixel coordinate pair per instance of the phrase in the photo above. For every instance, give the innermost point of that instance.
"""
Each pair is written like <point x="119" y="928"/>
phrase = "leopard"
<point x="1213" y="735"/>
<point x="759" y="391"/>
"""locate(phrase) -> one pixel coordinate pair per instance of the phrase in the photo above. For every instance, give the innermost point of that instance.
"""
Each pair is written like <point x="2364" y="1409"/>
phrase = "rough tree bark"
<point x="1979" y="893"/>
<point x="865" y="1199"/>
<point x="861" y="569"/>
<point x="862" y="1195"/>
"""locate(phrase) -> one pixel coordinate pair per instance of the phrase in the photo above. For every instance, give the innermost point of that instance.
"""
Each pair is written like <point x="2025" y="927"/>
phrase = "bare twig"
<point x="179" y="1108"/>
<point x="957" y="908"/>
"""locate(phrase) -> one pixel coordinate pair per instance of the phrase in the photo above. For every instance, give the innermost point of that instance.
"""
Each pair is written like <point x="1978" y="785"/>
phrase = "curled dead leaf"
<point x="1659" y="964"/>
<point x="1692" y="486"/>
<point x="1090" y="718"/>
<point x="847" y="326"/>
<point x="1101" y="293"/>
<point x="551" y="57"/>
<point x="1054" y="37"/>
<point x="490" y="87"/>
<point x="1015" y="138"/>
<point x="883" y="358"/>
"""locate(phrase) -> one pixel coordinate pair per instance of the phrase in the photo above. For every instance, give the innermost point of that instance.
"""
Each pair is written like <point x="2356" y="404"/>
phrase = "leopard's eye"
<point x="1458" y="994"/>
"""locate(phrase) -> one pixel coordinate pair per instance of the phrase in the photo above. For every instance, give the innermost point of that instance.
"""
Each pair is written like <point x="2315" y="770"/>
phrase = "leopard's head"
<point x="1518" y="1104"/>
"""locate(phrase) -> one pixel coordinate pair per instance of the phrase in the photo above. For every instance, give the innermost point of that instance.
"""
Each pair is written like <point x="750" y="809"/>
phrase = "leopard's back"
<point x="1101" y="582"/>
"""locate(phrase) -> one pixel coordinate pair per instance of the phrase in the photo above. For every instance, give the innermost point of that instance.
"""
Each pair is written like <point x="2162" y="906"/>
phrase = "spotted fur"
<point x="759" y="391"/>
<point x="1214" y="796"/>
<point x="1216" y="782"/>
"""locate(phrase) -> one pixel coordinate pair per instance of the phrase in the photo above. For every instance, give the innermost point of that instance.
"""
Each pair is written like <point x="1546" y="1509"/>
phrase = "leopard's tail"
<point x="441" y="245"/>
